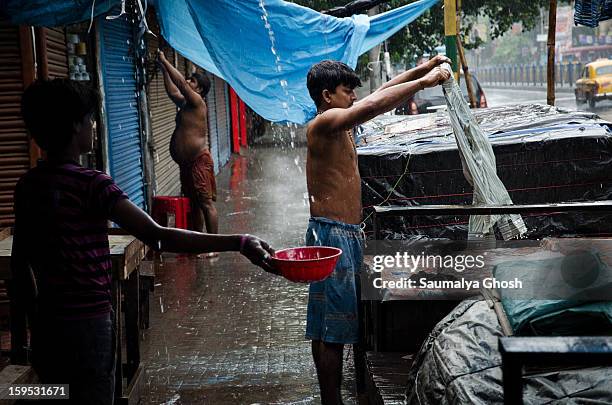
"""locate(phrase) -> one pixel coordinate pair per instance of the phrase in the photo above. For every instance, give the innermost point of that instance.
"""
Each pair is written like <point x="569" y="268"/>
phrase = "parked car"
<point x="595" y="83"/>
<point x="432" y="97"/>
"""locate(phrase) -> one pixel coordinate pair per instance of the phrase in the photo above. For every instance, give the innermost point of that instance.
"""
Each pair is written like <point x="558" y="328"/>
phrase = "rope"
<point x="362" y="225"/>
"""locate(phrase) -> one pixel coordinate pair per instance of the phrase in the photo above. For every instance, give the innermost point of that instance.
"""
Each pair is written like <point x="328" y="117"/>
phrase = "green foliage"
<point x="427" y="32"/>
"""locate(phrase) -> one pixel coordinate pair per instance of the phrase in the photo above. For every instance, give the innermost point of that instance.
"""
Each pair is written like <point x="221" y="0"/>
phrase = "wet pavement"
<point x="225" y="332"/>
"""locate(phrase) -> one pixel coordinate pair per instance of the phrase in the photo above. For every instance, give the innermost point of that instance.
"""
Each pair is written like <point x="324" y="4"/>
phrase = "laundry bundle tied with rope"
<point x="479" y="168"/>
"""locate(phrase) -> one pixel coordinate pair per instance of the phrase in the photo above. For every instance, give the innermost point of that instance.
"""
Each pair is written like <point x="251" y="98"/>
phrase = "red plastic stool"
<point x="172" y="212"/>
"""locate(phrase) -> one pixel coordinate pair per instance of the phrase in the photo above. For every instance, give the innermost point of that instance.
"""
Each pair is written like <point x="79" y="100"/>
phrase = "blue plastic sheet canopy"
<point x="54" y="13"/>
<point x="264" y="49"/>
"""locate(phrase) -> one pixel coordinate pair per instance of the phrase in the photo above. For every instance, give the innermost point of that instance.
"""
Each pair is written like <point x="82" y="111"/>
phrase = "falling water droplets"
<point x="277" y="58"/>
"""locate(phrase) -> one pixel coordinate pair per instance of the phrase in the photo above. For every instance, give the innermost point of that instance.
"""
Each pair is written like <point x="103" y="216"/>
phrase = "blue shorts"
<point x="333" y="303"/>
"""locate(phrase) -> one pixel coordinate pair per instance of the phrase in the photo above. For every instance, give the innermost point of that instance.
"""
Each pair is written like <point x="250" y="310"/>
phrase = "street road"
<point x="502" y="96"/>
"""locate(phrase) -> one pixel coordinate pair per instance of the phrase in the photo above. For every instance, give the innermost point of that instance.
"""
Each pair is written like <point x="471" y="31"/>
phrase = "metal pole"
<point x="450" y="31"/>
<point x="466" y="71"/>
<point x="374" y="56"/>
<point x="552" y="28"/>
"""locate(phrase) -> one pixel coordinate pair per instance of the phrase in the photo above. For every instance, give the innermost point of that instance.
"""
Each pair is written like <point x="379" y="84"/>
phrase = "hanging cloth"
<point x="479" y="167"/>
<point x="591" y="12"/>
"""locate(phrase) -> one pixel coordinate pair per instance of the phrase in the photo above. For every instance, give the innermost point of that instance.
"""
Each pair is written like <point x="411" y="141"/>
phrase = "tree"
<point x="427" y="32"/>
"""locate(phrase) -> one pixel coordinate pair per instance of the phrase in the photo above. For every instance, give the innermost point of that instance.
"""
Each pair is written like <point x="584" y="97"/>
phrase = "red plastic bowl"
<point x="306" y="264"/>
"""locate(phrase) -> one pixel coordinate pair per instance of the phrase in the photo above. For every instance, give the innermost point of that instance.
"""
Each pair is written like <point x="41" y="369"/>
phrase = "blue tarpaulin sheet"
<point x="262" y="48"/>
<point x="54" y="13"/>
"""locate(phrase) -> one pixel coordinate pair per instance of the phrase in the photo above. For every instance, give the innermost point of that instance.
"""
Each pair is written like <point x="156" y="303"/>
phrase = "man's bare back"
<point x="334" y="184"/>
<point x="190" y="136"/>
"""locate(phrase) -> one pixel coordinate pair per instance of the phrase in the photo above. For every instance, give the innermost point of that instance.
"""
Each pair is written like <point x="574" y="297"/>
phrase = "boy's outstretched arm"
<point x="415" y="73"/>
<point x="177" y="79"/>
<point x="338" y="119"/>
<point x="141" y="225"/>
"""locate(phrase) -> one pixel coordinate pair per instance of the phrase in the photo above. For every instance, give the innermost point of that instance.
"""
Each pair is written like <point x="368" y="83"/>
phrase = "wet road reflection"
<point x="223" y="331"/>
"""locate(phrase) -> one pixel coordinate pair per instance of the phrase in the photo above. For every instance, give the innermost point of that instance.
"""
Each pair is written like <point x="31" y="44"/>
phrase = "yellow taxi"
<point x="595" y="83"/>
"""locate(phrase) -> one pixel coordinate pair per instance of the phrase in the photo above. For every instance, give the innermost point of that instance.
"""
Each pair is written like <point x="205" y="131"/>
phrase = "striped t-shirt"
<point x="61" y="214"/>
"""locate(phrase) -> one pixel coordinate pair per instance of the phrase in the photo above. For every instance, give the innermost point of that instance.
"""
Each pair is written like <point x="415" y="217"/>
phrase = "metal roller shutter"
<point x="181" y="64"/>
<point x="122" y="115"/>
<point x="14" y="143"/>
<point x="163" y="113"/>
<point x="223" y="127"/>
<point x="211" y="103"/>
<point x="57" y="58"/>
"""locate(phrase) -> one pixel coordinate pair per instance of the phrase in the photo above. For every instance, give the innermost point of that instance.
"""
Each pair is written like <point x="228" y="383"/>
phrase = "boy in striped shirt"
<point x="61" y="256"/>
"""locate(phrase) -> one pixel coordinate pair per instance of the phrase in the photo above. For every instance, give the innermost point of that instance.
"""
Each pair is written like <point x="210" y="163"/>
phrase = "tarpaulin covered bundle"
<point x="543" y="155"/>
<point x="478" y="162"/>
<point x="562" y="294"/>
<point x="591" y="12"/>
<point x="459" y="363"/>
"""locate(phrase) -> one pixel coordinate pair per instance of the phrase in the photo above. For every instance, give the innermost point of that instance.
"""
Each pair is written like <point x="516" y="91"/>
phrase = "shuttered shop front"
<point x="57" y="59"/>
<point x="14" y="143"/>
<point x="223" y="121"/>
<point x="163" y="113"/>
<point x="181" y="64"/>
<point x="211" y="104"/>
<point x="121" y="104"/>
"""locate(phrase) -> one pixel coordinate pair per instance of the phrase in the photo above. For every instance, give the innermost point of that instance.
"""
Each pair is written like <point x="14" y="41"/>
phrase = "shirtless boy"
<point x="189" y="144"/>
<point x="334" y="187"/>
